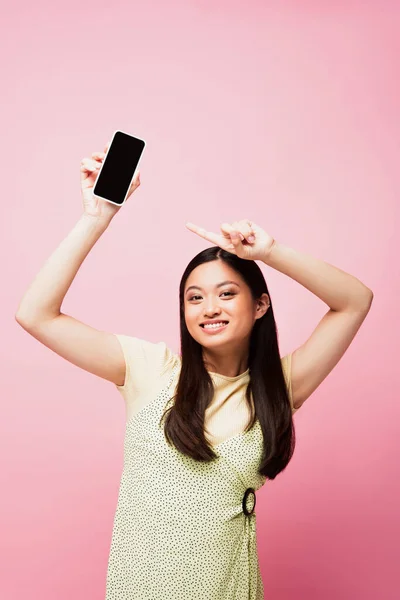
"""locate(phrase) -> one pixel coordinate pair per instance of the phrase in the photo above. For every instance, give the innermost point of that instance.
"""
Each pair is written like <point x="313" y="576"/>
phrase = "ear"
<point x="263" y="305"/>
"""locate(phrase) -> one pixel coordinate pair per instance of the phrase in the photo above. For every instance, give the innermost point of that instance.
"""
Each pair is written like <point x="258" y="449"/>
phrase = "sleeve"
<point x="145" y="363"/>
<point x="287" y="371"/>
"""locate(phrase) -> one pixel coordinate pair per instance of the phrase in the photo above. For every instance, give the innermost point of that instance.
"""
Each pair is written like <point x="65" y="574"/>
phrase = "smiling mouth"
<point x="215" y="328"/>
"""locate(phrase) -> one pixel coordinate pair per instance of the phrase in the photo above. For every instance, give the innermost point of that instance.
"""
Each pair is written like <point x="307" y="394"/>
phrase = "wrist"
<point x="268" y="253"/>
<point x="96" y="222"/>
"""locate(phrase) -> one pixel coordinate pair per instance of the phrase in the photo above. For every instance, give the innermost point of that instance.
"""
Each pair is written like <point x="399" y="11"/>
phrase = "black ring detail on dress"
<point x="246" y="495"/>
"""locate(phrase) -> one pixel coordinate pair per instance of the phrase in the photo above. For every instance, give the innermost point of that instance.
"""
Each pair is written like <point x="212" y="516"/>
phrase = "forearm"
<point x="338" y="289"/>
<point x="46" y="293"/>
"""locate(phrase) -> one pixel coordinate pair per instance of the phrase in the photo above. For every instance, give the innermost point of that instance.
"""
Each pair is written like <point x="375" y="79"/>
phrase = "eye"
<point x="197" y="296"/>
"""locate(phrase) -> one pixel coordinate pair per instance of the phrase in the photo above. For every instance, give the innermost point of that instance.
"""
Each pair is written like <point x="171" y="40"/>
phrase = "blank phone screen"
<point x="118" y="168"/>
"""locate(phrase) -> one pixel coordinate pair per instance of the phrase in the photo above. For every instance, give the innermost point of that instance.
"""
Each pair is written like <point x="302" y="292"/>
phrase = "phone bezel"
<point x="102" y="164"/>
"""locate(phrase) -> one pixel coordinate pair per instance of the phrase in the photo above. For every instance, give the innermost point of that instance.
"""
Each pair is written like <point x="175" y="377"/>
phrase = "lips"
<point x="223" y="323"/>
<point x="215" y="330"/>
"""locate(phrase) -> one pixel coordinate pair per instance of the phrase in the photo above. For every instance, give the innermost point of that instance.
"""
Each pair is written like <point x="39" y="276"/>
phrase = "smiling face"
<point x="221" y="294"/>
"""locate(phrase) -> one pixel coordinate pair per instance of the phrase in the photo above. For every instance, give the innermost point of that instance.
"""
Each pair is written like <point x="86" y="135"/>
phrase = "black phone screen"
<point x="118" y="168"/>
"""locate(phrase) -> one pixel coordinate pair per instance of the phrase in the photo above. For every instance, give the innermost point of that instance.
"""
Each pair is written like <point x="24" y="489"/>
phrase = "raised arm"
<point x="39" y="312"/>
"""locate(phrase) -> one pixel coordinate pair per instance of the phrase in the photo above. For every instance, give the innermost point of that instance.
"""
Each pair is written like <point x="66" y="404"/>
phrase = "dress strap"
<point x="164" y="397"/>
<point x="172" y="377"/>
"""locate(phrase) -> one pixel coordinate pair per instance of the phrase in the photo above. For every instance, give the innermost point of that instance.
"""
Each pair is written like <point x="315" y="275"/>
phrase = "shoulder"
<point x="146" y="362"/>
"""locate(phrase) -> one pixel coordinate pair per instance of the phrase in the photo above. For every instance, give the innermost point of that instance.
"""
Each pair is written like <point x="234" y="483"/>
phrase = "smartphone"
<point x="118" y="168"/>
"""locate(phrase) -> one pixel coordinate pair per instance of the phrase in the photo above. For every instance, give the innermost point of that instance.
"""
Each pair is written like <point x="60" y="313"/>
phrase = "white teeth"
<point x="214" y="325"/>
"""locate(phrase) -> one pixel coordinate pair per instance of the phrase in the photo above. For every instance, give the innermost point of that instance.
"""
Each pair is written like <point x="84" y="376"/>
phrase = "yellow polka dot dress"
<point x="183" y="530"/>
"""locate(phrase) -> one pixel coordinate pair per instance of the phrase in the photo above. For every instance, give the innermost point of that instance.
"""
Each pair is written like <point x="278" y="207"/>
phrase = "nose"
<point x="211" y="307"/>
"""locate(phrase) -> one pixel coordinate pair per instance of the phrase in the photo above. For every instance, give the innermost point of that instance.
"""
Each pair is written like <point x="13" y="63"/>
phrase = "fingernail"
<point x="251" y="238"/>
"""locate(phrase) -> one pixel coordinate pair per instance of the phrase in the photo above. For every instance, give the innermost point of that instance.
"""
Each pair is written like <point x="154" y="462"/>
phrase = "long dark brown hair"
<point x="184" y="420"/>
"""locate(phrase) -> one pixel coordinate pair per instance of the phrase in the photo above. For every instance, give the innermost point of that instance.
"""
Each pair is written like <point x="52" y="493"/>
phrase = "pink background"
<point x="288" y="116"/>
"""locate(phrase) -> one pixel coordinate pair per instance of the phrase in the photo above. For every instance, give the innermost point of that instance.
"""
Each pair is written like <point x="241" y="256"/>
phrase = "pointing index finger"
<point x="207" y="235"/>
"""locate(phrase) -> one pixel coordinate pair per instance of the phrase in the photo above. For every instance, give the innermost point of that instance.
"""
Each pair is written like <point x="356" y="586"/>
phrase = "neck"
<point x="230" y="365"/>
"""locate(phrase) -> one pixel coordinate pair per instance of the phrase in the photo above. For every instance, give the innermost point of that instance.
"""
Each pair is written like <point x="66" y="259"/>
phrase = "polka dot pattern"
<point x="183" y="529"/>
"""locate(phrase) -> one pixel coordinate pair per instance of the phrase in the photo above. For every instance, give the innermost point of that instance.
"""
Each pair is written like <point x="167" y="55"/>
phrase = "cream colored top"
<point x="148" y="366"/>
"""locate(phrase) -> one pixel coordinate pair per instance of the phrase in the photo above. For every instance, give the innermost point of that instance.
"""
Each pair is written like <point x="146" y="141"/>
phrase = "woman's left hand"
<point x="236" y="238"/>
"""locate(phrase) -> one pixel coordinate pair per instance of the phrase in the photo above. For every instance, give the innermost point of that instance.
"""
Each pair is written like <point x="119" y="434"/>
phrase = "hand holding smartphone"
<point x="111" y="175"/>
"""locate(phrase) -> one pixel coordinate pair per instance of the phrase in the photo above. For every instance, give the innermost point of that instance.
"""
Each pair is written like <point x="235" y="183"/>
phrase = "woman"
<point x="206" y="428"/>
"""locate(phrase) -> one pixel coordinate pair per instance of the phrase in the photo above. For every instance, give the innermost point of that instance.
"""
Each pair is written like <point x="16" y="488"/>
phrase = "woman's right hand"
<point x="93" y="206"/>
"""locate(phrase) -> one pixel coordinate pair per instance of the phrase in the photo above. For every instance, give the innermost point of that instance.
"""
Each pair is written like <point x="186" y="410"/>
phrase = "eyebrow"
<point x="196" y="287"/>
